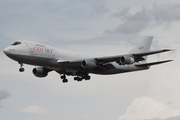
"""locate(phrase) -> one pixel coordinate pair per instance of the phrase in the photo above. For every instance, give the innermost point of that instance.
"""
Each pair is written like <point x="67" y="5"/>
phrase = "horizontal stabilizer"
<point x="138" y="56"/>
<point x="151" y="52"/>
<point x="153" y="63"/>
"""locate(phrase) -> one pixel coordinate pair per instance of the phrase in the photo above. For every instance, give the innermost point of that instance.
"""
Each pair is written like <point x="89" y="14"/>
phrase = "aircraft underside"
<point x="77" y="71"/>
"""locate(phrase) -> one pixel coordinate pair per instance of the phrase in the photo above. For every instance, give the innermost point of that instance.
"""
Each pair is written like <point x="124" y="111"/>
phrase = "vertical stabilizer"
<point x="143" y="46"/>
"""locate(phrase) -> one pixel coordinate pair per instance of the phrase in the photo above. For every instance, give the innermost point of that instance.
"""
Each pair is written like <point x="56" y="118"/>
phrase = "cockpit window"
<point x="16" y="43"/>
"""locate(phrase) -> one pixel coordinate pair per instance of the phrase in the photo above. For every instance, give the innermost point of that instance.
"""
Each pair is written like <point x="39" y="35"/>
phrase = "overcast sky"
<point x="103" y="27"/>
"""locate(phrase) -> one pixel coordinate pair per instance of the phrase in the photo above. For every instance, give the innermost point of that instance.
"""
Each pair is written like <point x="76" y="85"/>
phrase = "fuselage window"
<point x="16" y="43"/>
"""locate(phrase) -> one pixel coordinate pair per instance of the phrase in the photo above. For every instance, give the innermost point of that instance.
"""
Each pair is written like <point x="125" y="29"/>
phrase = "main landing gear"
<point x="78" y="78"/>
<point x="86" y="77"/>
<point x="21" y="69"/>
<point x="64" y="80"/>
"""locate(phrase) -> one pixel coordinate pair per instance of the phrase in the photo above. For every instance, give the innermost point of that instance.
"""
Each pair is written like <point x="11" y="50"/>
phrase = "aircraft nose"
<point x="6" y="50"/>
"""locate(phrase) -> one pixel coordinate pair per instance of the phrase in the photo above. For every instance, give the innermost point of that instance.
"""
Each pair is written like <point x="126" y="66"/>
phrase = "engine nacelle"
<point x="126" y="60"/>
<point x="87" y="64"/>
<point x="40" y="72"/>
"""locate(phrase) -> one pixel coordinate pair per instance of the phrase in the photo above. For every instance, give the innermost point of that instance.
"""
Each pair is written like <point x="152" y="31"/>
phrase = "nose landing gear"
<point x="21" y="69"/>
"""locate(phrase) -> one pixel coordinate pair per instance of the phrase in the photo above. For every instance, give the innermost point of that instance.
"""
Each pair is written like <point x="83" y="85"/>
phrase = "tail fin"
<point x="143" y="46"/>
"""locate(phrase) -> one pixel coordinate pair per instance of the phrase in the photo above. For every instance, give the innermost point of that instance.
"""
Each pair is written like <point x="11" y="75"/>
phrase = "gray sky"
<point x="104" y="27"/>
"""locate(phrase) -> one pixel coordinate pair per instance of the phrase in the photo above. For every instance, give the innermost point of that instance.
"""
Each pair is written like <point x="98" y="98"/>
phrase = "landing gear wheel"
<point x="21" y="69"/>
<point x="65" y="80"/>
<point x="63" y="77"/>
<point x="79" y="79"/>
<point x="88" y="77"/>
<point x="75" y="78"/>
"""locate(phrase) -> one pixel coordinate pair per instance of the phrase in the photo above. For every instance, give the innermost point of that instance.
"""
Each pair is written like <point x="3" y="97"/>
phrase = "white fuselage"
<point x="46" y="56"/>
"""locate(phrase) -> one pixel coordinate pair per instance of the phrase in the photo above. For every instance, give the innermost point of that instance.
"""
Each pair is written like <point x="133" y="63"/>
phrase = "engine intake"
<point x="40" y="72"/>
<point x="126" y="60"/>
<point x="87" y="64"/>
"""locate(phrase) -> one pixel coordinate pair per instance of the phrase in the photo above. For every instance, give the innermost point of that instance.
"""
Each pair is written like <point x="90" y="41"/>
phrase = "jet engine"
<point x="126" y="60"/>
<point x="40" y="72"/>
<point x="87" y="64"/>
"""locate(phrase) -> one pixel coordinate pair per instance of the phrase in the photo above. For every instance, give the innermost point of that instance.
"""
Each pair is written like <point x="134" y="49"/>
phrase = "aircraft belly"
<point x="39" y="61"/>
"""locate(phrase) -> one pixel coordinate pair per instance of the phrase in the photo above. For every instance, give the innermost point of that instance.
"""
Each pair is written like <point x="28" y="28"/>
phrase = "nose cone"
<point x="6" y="50"/>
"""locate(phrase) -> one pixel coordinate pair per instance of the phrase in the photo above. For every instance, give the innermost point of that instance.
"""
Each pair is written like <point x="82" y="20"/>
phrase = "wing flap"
<point x="68" y="61"/>
<point x="108" y="59"/>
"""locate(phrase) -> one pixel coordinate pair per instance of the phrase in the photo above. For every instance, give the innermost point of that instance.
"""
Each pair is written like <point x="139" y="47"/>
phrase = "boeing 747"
<point x="77" y="64"/>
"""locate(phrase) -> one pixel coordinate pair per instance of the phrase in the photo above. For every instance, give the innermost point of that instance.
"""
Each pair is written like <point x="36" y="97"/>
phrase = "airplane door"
<point x="31" y="51"/>
<point x="28" y="49"/>
<point x="26" y="44"/>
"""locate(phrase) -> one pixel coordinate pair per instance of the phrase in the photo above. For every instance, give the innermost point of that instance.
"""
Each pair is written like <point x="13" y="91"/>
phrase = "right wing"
<point x="105" y="60"/>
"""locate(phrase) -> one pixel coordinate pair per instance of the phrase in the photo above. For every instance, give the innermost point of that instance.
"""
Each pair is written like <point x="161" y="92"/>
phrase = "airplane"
<point x="77" y="64"/>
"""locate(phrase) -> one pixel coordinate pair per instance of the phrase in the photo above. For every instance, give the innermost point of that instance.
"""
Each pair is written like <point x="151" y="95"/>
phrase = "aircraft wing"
<point x="107" y="59"/>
